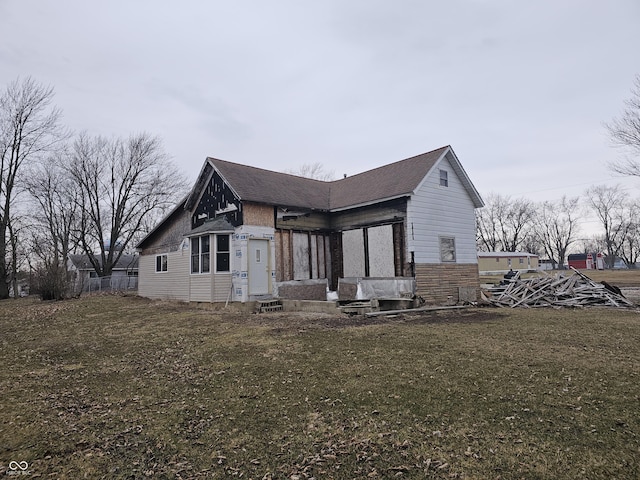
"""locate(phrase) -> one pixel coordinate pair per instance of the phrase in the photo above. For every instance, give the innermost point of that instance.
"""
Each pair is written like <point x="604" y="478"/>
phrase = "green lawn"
<point x="122" y="387"/>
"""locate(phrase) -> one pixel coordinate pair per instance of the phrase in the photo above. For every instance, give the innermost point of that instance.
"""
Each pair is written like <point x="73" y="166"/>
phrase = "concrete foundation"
<point x="310" y="306"/>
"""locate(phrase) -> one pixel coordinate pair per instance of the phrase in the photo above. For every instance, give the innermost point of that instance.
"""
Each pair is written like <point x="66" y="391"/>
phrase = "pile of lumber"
<point x="575" y="290"/>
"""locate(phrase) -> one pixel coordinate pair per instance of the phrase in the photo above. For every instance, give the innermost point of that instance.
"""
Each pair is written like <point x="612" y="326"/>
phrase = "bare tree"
<point x="595" y="243"/>
<point x="531" y="242"/>
<point x="121" y="182"/>
<point x="557" y="227"/>
<point x="517" y="223"/>
<point x="56" y="218"/>
<point x="608" y="203"/>
<point x="28" y="128"/>
<point x="630" y="238"/>
<point x="18" y="249"/>
<point x="625" y="133"/>
<point x="488" y="224"/>
<point x="313" y="170"/>
<point x="504" y="223"/>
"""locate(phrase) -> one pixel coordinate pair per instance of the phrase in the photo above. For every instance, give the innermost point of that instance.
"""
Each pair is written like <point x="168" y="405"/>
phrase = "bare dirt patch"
<point x="293" y="321"/>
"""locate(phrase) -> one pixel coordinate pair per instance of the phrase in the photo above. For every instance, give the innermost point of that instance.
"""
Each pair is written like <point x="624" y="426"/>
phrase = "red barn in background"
<point x="586" y="261"/>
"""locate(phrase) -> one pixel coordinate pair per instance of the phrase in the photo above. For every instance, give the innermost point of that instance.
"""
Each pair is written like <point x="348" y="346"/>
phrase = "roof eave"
<point x="464" y="178"/>
<point x="208" y="232"/>
<point x="305" y="208"/>
<point x="371" y="202"/>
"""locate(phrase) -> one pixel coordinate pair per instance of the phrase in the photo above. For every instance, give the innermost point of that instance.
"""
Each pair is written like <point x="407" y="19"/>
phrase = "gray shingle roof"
<point x="389" y="181"/>
<point x="275" y="188"/>
<point x="213" y="225"/>
<point x="125" y="262"/>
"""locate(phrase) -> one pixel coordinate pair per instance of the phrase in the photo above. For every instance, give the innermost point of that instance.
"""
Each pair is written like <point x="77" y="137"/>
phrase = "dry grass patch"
<point x="121" y="387"/>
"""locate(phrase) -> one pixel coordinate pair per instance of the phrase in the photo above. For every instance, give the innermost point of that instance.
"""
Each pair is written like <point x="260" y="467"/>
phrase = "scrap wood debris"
<point x="576" y="290"/>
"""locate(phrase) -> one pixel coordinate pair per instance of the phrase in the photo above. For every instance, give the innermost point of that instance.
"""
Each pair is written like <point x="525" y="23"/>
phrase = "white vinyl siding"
<point x="434" y="212"/>
<point x="172" y="284"/>
<point x="201" y="288"/>
<point x="221" y="287"/>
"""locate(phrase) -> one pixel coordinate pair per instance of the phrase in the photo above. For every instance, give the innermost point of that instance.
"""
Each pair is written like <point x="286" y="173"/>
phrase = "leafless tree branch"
<point x="29" y="129"/>
<point x="625" y="134"/>
<point x="122" y="182"/>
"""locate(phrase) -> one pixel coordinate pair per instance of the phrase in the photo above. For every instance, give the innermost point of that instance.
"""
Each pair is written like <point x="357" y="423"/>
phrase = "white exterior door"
<point x="258" y="267"/>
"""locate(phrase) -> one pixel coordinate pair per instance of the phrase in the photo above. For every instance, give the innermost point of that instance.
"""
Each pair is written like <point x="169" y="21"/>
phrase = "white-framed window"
<point x="447" y="249"/>
<point x="200" y="254"/>
<point x="223" y="250"/>
<point x="444" y="178"/>
<point x="161" y="263"/>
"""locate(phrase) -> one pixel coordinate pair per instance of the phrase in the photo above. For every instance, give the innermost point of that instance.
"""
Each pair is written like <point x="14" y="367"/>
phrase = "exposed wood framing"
<point x="216" y="197"/>
<point x="335" y="246"/>
<point x="365" y="241"/>
<point x="290" y="232"/>
<point x="398" y="249"/>
<point x="576" y="290"/>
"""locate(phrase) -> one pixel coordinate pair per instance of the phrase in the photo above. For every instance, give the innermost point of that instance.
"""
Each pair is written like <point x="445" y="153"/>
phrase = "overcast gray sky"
<point x="519" y="89"/>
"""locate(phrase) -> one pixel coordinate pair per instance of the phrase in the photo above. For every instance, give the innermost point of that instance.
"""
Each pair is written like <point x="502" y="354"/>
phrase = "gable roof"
<point x="383" y="183"/>
<point x="125" y="262"/>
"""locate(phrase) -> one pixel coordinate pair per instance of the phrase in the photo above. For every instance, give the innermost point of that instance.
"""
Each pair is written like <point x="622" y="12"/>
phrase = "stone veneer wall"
<point x="437" y="282"/>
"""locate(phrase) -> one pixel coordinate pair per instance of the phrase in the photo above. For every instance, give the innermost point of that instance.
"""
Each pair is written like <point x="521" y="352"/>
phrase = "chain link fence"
<point x="114" y="283"/>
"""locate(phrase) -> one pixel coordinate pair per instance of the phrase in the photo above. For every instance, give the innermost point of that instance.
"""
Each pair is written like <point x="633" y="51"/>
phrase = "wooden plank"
<point x="578" y="290"/>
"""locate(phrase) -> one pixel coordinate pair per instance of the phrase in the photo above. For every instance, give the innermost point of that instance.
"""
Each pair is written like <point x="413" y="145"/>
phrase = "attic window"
<point x="444" y="178"/>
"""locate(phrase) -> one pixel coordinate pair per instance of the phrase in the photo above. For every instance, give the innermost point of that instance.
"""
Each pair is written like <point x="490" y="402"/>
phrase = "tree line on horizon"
<point x="551" y="228"/>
